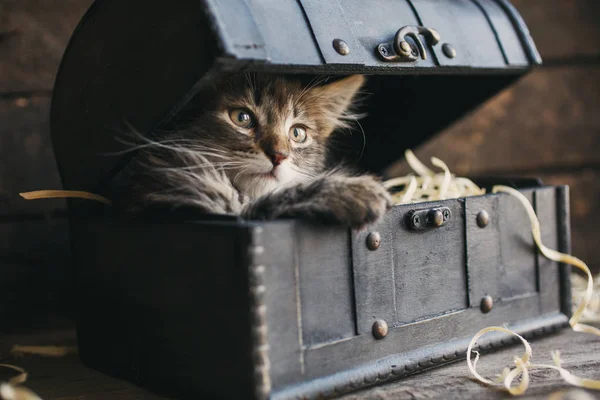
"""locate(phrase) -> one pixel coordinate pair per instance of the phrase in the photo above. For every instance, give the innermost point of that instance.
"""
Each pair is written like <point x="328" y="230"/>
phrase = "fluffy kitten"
<point x="258" y="149"/>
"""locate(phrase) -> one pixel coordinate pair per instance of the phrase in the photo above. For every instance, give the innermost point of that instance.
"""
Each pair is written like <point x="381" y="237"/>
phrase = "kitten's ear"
<point x="338" y="96"/>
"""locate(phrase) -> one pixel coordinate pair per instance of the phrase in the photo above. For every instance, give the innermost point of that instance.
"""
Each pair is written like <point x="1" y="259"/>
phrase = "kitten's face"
<point x="265" y="132"/>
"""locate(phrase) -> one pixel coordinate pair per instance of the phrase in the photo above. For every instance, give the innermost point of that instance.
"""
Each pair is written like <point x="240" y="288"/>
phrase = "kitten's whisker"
<point x="362" y="151"/>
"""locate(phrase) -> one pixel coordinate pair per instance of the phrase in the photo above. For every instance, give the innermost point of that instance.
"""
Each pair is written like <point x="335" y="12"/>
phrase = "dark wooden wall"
<point x="547" y="125"/>
<point x="34" y="274"/>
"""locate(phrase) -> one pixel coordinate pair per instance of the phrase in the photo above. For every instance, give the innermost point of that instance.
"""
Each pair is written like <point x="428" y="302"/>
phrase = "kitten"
<point x="258" y="149"/>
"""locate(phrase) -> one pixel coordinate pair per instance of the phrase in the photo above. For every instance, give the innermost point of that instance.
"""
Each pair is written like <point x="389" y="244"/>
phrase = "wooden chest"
<point x="194" y="305"/>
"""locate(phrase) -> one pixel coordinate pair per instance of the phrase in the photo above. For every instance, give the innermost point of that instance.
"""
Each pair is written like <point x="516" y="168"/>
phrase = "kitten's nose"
<point x="277" y="158"/>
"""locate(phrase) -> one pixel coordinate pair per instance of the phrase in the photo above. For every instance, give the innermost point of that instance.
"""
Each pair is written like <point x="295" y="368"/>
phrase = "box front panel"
<point x="517" y="264"/>
<point x="429" y="266"/>
<point x="483" y="248"/>
<point x="549" y="271"/>
<point x="325" y="279"/>
<point x="401" y="281"/>
<point x="427" y="285"/>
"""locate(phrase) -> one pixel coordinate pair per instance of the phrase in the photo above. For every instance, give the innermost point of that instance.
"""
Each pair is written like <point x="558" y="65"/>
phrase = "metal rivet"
<point x="436" y="218"/>
<point x="380" y="329"/>
<point x="341" y="47"/>
<point x="373" y="241"/>
<point x="448" y="50"/>
<point x="483" y="219"/>
<point x="486" y="304"/>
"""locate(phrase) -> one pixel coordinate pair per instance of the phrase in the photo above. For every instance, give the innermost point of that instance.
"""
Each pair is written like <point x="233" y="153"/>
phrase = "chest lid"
<point x="137" y="63"/>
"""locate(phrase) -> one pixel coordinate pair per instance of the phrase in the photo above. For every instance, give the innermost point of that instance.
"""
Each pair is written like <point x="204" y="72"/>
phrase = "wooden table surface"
<point x="66" y="378"/>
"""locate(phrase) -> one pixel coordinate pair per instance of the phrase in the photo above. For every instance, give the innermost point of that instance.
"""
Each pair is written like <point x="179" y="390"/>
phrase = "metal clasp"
<point x="429" y="218"/>
<point x="401" y="50"/>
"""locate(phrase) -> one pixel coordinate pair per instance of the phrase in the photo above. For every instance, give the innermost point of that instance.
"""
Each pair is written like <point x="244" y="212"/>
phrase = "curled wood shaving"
<point x="507" y="375"/>
<point x="428" y="185"/>
<point x="522" y="367"/>
<point x="12" y="391"/>
<point x="45" y="351"/>
<point x="63" y="194"/>
<point x="579" y="288"/>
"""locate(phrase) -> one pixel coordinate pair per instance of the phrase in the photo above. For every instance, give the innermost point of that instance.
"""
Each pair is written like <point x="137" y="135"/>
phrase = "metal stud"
<point x="449" y="50"/>
<point x="373" y="241"/>
<point x="486" y="304"/>
<point x="436" y="218"/>
<point x="483" y="219"/>
<point x="380" y="329"/>
<point x="341" y="47"/>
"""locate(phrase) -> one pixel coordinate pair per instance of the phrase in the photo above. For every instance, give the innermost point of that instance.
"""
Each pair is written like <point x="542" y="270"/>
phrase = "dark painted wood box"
<point x="198" y="306"/>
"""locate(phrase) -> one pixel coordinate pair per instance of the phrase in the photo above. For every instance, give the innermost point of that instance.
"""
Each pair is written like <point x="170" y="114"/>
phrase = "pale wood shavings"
<point x="427" y="185"/>
<point x="45" y="351"/>
<point x="62" y="194"/>
<point x="579" y="287"/>
<point x="12" y="390"/>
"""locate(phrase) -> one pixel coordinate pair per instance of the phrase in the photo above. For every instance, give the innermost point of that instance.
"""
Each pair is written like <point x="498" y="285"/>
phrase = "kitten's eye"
<point x="241" y="118"/>
<point x="298" y="134"/>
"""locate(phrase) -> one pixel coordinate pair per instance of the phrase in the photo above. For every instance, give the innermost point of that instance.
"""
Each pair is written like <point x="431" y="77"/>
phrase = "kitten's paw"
<point x="360" y="201"/>
<point x="351" y="201"/>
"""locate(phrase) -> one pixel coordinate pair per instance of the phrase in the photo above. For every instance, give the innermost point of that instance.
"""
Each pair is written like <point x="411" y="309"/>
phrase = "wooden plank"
<point x="33" y="297"/>
<point x="34" y="250"/>
<point x="563" y="29"/>
<point x="548" y="120"/>
<point x="66" y="378"/>
<point x="34" y="241"/>
<point x="27" y="157"/>
<point x="517" y="270"/>
<point x="332" y="290"/>
<point x="578" y="353"/>
<point x="33" y="37"/>
<point x="75" y="381"/>
<point x="35" y="271"/>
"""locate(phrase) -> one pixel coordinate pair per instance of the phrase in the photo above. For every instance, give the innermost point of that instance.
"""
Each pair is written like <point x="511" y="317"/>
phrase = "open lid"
<point x="137" y="62"/>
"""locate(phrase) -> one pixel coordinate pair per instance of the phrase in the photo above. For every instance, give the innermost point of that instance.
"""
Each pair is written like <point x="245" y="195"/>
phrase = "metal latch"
<point x="401" y="50"/>
<point x="428" y="218"/>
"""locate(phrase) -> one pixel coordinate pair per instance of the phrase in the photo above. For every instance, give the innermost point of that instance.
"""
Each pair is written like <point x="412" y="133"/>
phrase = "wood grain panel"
<point x="563" y="29"/>
<point x="66" y="378"/>
<point x="549" y="119"/>
<point x="26" y="152"/>
<point x="33" y="37"/>
<point x="34" y="265"/>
